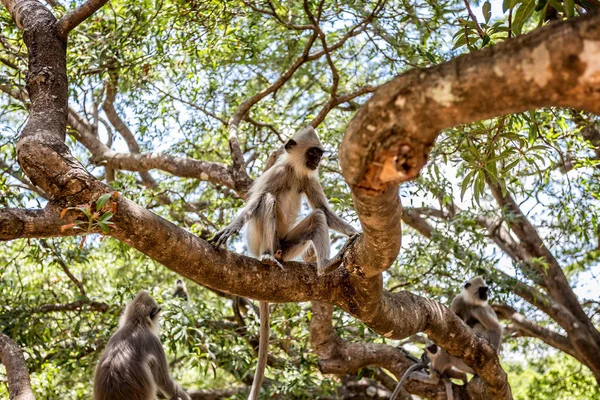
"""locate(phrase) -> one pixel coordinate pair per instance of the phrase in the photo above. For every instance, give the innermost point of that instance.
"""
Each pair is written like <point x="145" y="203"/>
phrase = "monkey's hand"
<point x="221" y="237"/>
<point x="337" y="260"/>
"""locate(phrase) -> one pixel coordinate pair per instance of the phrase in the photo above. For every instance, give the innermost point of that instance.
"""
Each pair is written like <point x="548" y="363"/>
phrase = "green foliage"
<point x="551" y="377"/>
<point x="184" y="65"/>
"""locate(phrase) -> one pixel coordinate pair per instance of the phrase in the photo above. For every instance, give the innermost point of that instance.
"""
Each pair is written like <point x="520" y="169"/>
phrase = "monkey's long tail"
<point x="401" y="381"/>
<point x="263" y="350"/>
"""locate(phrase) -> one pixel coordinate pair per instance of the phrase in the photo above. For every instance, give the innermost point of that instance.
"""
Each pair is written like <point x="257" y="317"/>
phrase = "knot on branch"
<point x="42" y="75"/>
<point x="400" y="162"/>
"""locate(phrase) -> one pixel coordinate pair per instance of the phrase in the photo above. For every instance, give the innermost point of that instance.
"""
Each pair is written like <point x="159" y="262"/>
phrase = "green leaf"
<point x="508" y="4"/>
<point x="460" y="42"/>
<point x="465" y="183"/>
<point x="487" y="11"/>
<point x="106" y="217"/>
<point x="102" y="201"/>
<point x="570" y="8"/>
<point x="486" y="40"/>
<point x="522" y="15"/>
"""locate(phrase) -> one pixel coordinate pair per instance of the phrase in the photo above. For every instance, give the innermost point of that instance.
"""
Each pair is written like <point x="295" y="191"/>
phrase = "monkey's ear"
<point x="154" y="312"/>
<point x="290" y="144"/>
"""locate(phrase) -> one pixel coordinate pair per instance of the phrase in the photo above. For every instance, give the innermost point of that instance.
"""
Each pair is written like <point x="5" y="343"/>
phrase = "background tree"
<point x="178" y="105"/>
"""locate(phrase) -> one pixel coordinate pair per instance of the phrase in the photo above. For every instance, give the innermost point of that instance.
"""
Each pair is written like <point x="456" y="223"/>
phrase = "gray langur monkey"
<point x="180" y="290"/>
<point x="472" y="307"/>
<point x="271" y="212"/>
<point x="133" y="365"/>
<point x="441" y="367"/>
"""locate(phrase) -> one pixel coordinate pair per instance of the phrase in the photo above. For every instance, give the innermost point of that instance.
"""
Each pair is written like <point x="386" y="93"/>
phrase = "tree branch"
<point x="530" y="328"/>
<point x="19" y="385"/>
<point x="72" y="19"/>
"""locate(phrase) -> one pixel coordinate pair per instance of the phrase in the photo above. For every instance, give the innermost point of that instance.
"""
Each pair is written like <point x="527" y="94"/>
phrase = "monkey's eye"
<point x="467" y="285"/>
<point x="155" y="312"/>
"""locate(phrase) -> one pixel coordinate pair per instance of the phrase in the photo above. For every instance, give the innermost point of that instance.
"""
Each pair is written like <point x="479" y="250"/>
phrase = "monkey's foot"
<point x="270" y="260"/>
<point x="336" y="261"/>
<point x="279" y="255"/>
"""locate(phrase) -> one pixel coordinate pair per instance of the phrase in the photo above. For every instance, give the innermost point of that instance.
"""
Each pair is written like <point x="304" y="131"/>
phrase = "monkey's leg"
<point x="448" y="385"/>
<point x="312" y="228"/>
<point x="262" y="232"/>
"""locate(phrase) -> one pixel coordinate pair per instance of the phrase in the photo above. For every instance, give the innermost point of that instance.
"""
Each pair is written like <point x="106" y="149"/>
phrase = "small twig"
<point x="474" y="18"/>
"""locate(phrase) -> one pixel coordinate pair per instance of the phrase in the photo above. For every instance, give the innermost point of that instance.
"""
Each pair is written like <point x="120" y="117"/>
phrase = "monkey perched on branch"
<point x="472" y="307"/>
<point x="272" y="211"/>
<point x="133" y="365"/>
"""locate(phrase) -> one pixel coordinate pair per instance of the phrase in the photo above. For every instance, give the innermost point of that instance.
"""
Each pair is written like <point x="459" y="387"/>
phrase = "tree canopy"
<point x="131" y="131"/>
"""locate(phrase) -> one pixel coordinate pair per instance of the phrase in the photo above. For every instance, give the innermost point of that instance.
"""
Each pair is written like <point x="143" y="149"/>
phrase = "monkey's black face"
<point x="432" y="348"/>
<point x="313" y="157"/>
<point x="483" y="293"/>
<point x="154" y="313"/>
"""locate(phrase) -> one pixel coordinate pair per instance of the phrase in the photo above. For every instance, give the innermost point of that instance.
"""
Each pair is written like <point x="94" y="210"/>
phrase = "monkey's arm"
<point x="488" y="319"/>
<point x="236" y="225"/>
<point x="160" y="372"/>
<point x="316" y="197"/>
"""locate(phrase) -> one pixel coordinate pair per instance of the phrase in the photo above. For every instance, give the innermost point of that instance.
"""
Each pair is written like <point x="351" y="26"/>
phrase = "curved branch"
<point x="72" y="19"/>
<point x="19" y="385"/>
<point x="530" y="328"/>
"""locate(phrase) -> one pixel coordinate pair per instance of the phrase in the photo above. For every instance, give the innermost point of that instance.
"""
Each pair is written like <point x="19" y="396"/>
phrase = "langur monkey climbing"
<point x="272" y="211"/>
<point x="133" y="365"/>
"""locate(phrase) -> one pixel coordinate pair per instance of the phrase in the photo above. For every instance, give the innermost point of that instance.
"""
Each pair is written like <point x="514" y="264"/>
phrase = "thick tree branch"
<point x="18" y="223"/>
<point x="382" y="147"/>
<point x="530" y="328"/>
<point x="337" y="356"/>
<point x="388" y="140"/>
<point x="70" y="20"/>
<point x="19" y="385"/>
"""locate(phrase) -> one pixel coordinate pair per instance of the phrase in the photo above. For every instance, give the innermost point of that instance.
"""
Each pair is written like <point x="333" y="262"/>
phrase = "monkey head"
<point x="475" y="291"/>
<point x="142" y="310"/>
<point x="306" y="147"/>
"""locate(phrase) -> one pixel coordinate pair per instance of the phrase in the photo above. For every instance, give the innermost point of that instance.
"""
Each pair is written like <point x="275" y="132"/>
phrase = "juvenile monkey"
<point x="133" y="365"/>
<point x="180" y="290"/>
<point x="472" y="307"/>
<point x="441" y="368"/>
<point x="272" y="211"/>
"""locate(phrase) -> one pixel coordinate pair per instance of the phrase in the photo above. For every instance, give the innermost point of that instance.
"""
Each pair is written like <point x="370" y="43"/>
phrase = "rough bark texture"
<point x="385" y="144"/>
<point x="19" y="386"/>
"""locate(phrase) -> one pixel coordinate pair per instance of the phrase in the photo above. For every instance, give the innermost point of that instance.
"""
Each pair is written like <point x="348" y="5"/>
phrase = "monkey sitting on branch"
<point x="273" y="207"/>
<point x="472" y="307"/>
<point x="272" y="211"/>
<point x="133" y="365"/>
